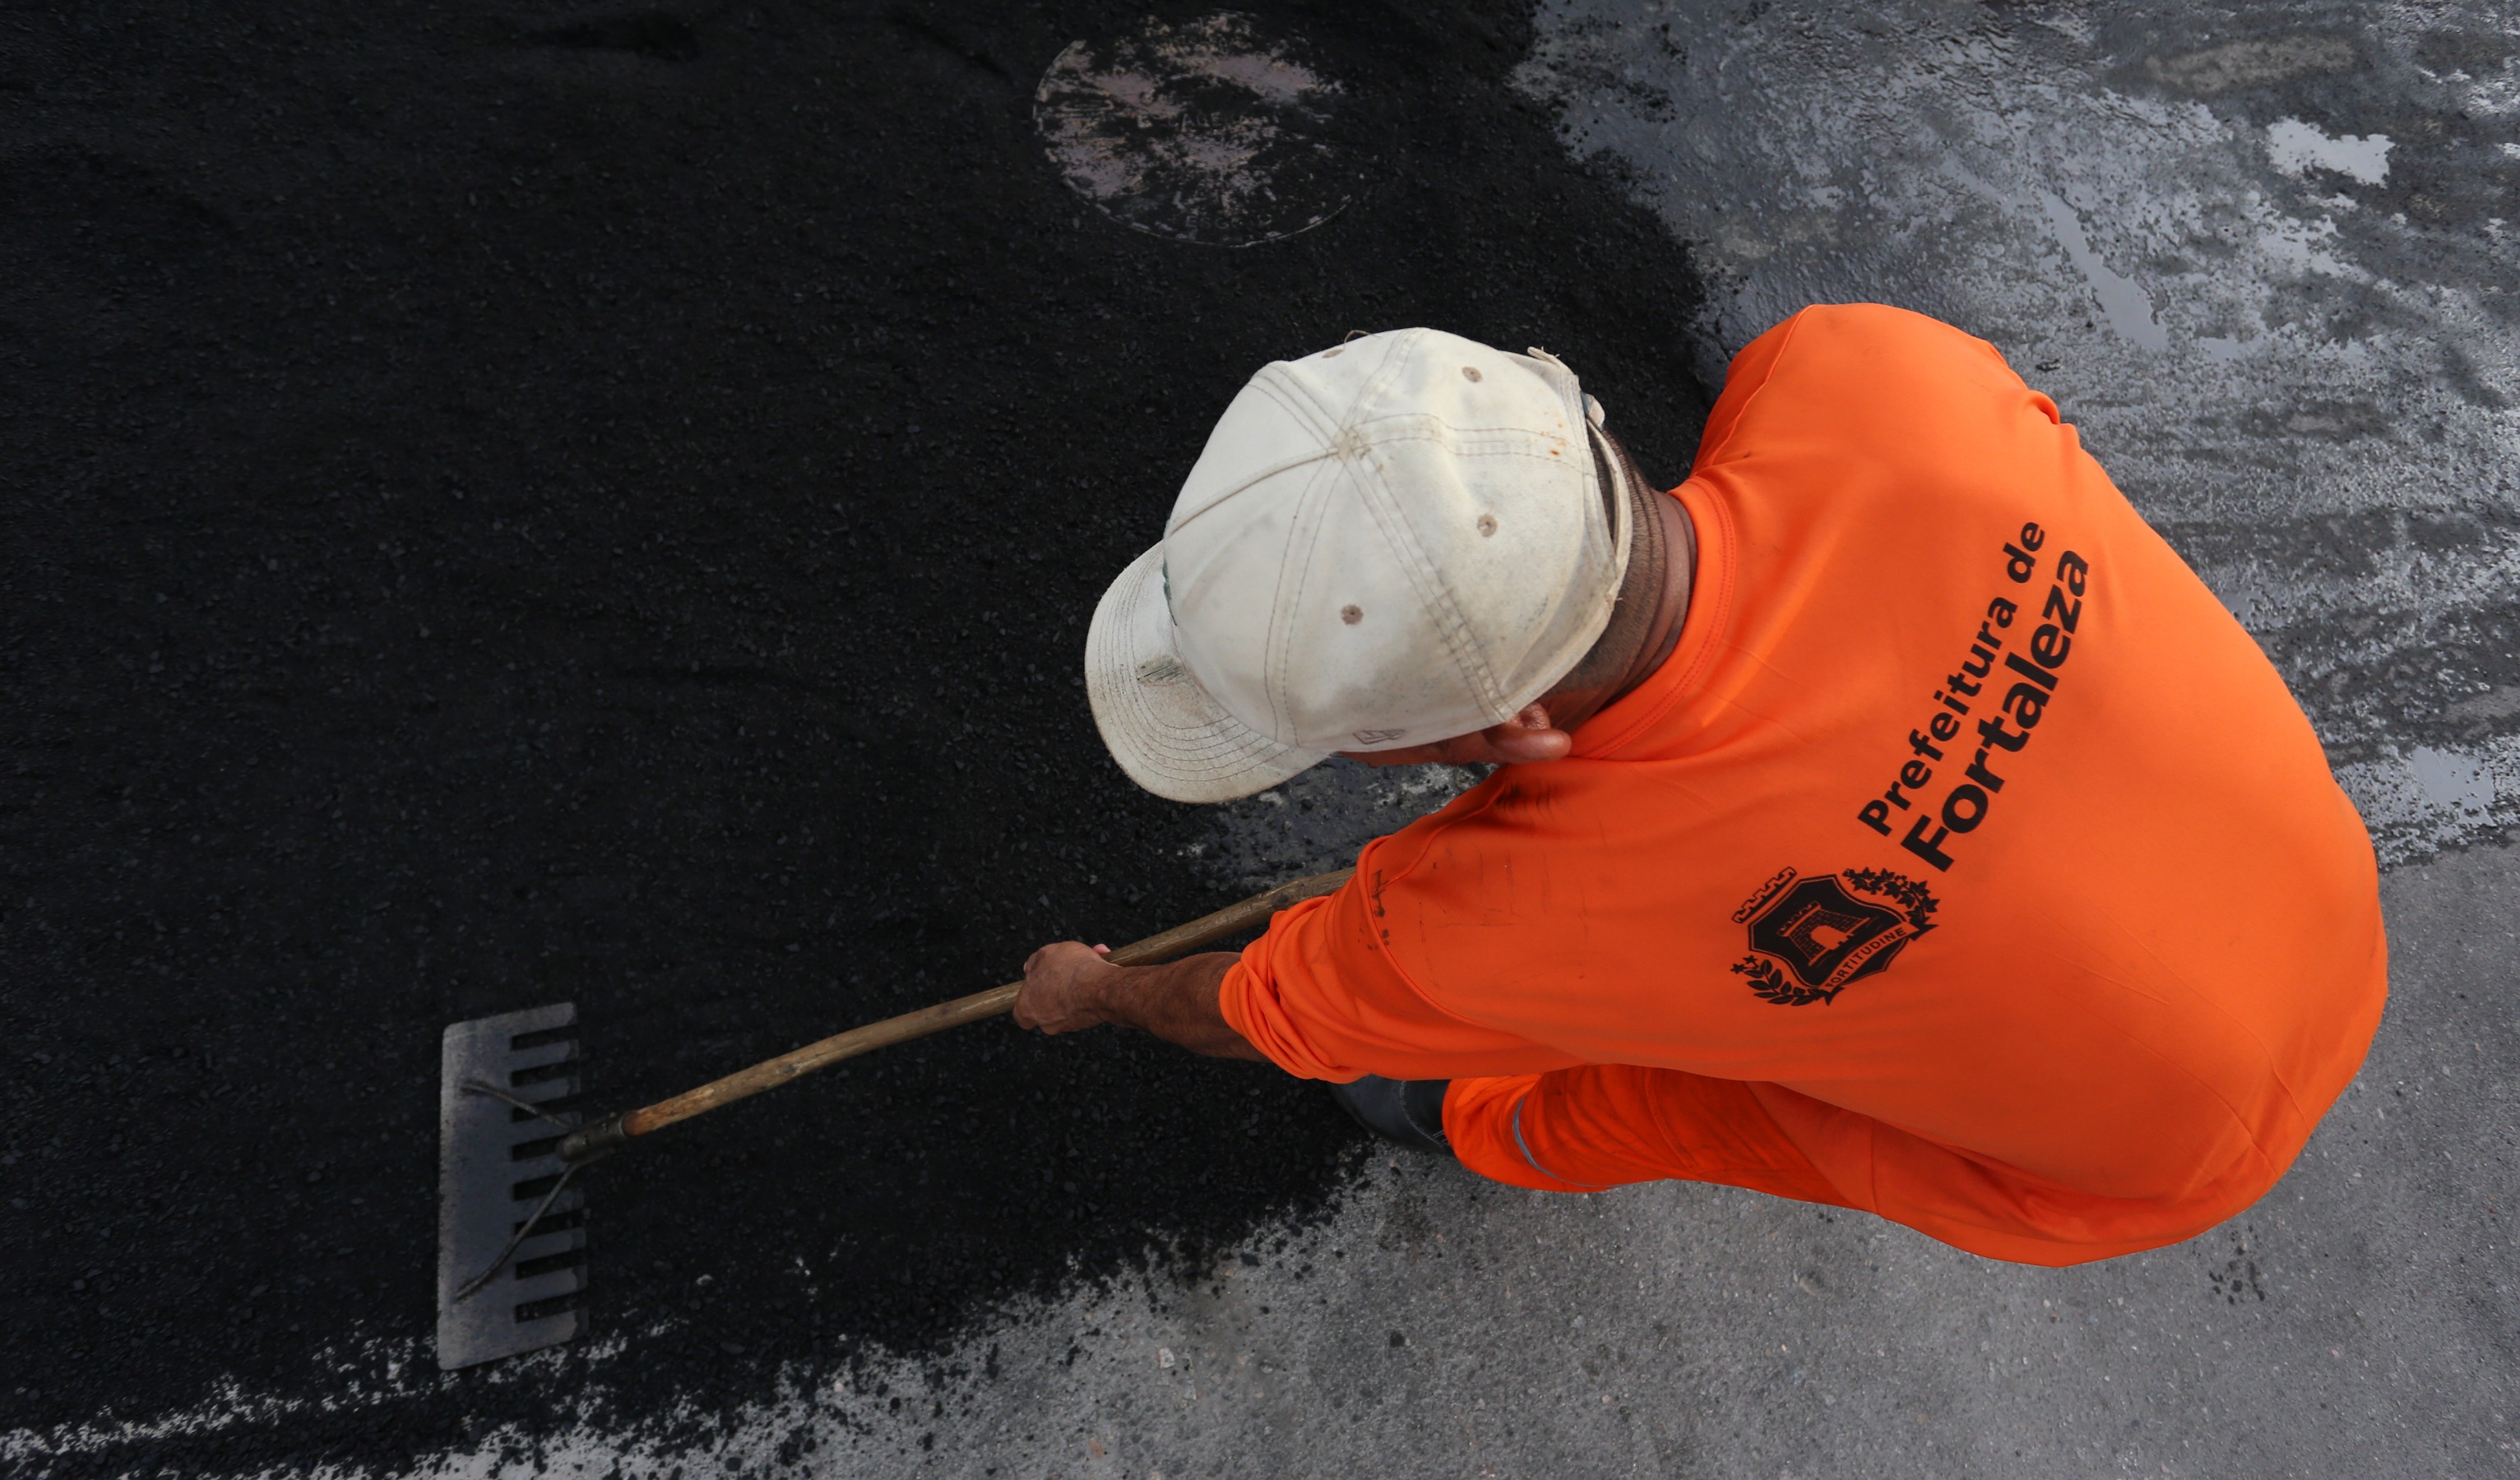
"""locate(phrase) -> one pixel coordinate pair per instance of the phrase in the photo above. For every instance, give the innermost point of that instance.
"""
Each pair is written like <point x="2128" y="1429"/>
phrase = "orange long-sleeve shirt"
<point x="1967" y="847"/>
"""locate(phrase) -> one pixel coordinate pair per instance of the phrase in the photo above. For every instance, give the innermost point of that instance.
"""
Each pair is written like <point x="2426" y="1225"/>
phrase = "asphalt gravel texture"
<point x="510" y="503"/>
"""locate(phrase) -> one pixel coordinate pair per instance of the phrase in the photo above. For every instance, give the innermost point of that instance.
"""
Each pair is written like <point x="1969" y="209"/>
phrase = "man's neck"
<point x="1671" y="599"/>
<point x="1662" y="563"/>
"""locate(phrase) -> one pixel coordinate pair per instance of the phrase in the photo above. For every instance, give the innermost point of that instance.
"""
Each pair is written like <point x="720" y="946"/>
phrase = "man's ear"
<point x="1530" y="736"/>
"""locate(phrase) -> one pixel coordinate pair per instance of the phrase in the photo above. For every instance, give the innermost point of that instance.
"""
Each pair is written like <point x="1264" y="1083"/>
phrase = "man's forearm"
<point x="1177" y="1002"/>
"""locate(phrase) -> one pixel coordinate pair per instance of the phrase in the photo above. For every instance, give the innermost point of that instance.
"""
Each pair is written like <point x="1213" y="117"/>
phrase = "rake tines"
<point x="501" y="1083"/>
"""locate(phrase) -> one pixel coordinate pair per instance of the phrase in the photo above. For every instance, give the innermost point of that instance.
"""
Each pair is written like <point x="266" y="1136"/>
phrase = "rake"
<point x="511" y="1217"/>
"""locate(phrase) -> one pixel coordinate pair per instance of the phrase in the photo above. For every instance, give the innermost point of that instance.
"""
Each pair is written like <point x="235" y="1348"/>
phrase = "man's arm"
<point x="1069" y="986"/>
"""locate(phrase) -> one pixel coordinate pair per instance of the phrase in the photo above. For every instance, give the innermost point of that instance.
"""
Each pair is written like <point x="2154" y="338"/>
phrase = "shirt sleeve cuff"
<point x="1250" y="1001"/>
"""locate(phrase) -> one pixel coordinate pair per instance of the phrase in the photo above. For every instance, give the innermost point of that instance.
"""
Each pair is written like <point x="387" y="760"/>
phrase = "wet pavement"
<point x="2265" y="258"/>
<point x="478" y="544"/>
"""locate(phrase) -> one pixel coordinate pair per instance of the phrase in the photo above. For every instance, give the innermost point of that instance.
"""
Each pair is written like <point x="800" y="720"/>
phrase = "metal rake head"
<point x="511" y="1229"/>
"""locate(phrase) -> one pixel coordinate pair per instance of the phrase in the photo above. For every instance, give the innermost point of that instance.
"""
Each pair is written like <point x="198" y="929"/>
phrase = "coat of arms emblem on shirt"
<point x="1812" y="935"/>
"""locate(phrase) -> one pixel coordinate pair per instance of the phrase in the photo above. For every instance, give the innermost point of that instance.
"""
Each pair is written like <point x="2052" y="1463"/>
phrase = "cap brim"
<point x="1156" y="720"/>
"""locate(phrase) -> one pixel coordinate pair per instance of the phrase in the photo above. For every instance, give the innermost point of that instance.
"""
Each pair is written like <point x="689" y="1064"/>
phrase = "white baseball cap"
<point x="1392" y="542"/>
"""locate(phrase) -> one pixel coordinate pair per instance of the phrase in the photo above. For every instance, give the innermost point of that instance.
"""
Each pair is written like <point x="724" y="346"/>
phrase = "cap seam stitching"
<point x="1435" y="595"/>
<point x="1285" y="597"/>
<point x="1289" y="395"/>
<point x="1433" y="592"/>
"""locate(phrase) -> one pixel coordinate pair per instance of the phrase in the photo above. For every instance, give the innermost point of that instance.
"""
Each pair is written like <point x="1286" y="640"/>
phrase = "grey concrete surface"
<point x="2264" y="261"/>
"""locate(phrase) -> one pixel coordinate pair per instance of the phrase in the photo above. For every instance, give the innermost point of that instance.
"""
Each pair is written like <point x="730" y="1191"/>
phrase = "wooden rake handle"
<point x="615" y="1132"/>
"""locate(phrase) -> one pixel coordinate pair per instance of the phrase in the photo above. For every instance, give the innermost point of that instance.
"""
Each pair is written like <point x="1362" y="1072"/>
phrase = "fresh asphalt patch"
<point x="513" y="503"/>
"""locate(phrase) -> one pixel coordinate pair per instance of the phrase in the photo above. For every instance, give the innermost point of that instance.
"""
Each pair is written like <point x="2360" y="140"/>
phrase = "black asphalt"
<point x="507" y="503"/>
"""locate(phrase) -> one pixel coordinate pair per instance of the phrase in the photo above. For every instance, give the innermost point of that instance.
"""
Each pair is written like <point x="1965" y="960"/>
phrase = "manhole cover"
<point x="1209" y="131"/>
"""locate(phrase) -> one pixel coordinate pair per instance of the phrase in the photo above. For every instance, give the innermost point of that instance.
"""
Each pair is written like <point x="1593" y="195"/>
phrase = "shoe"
<point x="1407" y="1112"/>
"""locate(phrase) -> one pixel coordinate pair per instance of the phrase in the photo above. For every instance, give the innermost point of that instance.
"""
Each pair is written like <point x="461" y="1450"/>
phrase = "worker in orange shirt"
<point x="1885" y="817"/>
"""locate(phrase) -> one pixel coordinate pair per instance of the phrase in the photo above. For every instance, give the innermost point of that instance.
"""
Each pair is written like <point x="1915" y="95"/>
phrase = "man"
<point x="1885" y="817"/>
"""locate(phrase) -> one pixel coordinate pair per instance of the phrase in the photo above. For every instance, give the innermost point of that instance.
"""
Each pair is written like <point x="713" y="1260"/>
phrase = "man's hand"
<point x="1064" y="988"/>
<point x="1069" y="986"/>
